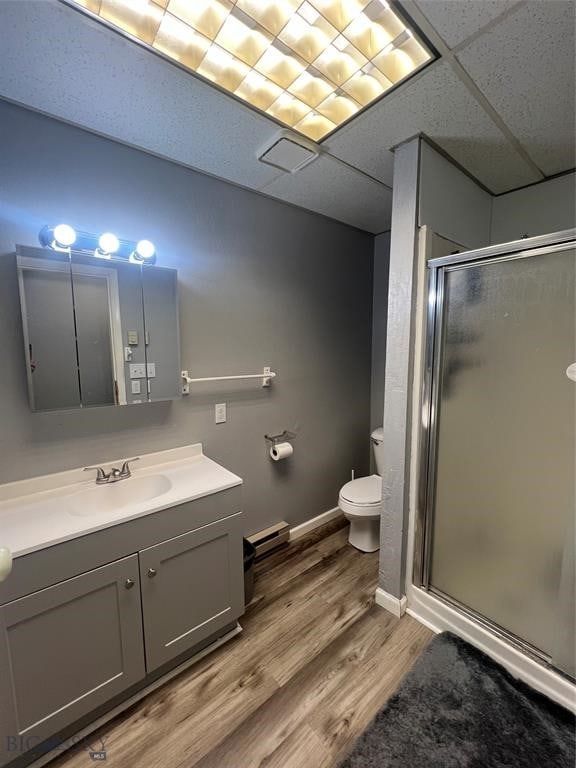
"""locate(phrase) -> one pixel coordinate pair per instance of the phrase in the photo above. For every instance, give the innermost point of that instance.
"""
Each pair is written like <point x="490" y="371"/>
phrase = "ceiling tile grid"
<point x="329" y="187"/>
<point x="506" y="99"/>
<point x="457" y="21"/>
<point x="103" y="82"/>
<point x="440" y="106"/>
<point x="526" y="68"/>
<point x="374" y="159"/>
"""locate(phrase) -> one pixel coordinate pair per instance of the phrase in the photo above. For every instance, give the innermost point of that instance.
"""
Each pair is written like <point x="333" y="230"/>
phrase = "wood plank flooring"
<point x="316" y="661"/>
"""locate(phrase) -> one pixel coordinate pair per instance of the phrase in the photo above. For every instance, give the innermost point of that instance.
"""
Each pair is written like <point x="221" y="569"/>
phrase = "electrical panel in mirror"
<point x="97" y="331"/>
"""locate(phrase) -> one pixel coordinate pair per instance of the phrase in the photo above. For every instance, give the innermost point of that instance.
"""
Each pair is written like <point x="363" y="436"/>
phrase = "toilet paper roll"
<point x="5" y="562"/>
<point x="281" y="451"/>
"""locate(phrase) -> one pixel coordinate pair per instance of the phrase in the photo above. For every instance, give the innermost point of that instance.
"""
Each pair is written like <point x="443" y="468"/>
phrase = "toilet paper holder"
<point x="283" y="437"/>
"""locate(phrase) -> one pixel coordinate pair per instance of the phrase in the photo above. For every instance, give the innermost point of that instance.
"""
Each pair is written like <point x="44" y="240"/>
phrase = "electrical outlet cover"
<point x="137" y="371"/>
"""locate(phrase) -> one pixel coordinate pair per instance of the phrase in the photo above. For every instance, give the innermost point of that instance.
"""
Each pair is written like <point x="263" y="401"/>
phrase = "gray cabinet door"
<point x="192" y="586"/>
<point x="65" y="650"/>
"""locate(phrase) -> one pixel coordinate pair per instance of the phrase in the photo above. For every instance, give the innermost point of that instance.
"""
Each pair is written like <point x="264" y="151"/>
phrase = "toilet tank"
<point x="378" y="446"/>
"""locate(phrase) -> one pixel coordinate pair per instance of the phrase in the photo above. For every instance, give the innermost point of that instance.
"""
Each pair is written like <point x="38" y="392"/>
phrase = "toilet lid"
<point x="364" y="490"/>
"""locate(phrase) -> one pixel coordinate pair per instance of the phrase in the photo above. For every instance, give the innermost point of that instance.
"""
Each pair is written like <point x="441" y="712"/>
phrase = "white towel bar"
<point x="266" y="375"/>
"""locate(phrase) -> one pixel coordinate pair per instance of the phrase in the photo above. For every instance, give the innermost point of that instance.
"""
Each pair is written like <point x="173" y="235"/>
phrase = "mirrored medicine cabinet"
<point x="97" y="331"/>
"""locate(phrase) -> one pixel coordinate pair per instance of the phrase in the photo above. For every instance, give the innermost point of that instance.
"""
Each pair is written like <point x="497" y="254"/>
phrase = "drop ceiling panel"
<point x="376" y="161"/>
<point x="437" y="104"/>
<point x="58" y="61"/>
<point x="455" y="21"/>
<point x="331" y="188"/>
<point x="525" y="66"/>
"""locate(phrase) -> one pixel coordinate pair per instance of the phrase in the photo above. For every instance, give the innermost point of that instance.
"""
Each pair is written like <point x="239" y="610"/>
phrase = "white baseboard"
<point x="315" y="522"/>
<point x="396" y="605"/>
<point x="440" y="617"/>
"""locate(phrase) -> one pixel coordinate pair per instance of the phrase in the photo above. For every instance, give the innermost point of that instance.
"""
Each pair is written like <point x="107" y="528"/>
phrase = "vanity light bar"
<point x="309" y="65"/>
<point x="62" y="237"/>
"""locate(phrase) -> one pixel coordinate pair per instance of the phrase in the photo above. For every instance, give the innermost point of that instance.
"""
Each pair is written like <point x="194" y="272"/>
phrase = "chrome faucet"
<point x="115" y="474"/>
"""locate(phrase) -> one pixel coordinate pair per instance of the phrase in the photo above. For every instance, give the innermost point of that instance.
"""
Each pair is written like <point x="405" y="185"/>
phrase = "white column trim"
<point x="395" y="605"/>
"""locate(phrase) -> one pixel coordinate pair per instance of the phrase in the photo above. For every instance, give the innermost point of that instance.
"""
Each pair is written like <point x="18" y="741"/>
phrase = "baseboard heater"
<point x="270" y="539"/>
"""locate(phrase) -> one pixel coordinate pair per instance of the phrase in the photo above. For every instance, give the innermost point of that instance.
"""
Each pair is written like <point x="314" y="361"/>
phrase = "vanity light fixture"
<point x="60" y="238"/>
<point x="108" y="244"/>
<point x="145" y="250"/>
<point x="104" y="246"/>
<point x="309" y="65"/>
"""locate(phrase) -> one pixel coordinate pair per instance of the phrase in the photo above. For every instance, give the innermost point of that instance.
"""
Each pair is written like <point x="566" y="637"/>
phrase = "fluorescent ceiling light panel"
<point x="309" y="65"/>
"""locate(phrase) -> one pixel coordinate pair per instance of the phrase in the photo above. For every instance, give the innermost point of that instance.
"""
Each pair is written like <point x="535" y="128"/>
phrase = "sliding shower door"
<point x="500" y="504"/>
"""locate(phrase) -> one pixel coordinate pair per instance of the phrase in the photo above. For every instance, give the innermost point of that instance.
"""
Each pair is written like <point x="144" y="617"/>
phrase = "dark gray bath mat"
<point x="459" y="709"/>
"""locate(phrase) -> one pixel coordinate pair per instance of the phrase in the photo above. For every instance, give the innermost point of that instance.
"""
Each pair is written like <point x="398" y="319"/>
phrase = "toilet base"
<point x="364" y="533"/>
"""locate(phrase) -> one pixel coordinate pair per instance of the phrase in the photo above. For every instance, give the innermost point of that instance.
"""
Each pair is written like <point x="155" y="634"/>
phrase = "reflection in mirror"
<point x="160" y="296"/>
<point x="109" y="330"/>
<point x="98" y="331"/>
<point x="49" y="337"/>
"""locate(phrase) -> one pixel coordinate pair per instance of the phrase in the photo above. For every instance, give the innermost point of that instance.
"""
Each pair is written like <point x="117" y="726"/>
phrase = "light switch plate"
<point x="135" y="385"/>
<point x="133" y="338"/>
<point x="220" y="413"/>
<point x="151" y="370"/>
<point x="137" y="371"/>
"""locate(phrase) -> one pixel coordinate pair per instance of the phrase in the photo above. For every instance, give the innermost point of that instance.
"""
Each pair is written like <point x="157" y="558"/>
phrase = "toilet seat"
<point x="361" y="502"/>
<point x="365" y="491"/>
<point x="362" y="497"/>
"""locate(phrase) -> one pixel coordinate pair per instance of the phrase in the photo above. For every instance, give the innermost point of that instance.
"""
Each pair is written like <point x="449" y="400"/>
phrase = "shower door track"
<point x="504" y="634"/>
<point x="436" y="269"/>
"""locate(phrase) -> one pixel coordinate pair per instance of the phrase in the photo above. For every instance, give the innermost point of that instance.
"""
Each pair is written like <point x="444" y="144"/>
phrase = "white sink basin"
<point x="103" y="499"/>
<point x="48" y="510"/>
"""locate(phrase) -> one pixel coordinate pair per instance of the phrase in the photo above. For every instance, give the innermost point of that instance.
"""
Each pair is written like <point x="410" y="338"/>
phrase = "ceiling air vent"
<point x="288" y="153"/>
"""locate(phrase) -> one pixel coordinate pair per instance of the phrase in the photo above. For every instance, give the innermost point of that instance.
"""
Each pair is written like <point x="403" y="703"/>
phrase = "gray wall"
<point x="261" y="283"/>
<point x="379" y="318"/>
<point x="549" y="206"/>
<point x="450" y="202"/>
<point x="457" y="208"/>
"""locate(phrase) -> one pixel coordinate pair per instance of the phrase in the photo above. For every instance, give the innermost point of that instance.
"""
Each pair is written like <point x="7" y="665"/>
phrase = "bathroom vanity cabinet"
<point x="95" y="619"/>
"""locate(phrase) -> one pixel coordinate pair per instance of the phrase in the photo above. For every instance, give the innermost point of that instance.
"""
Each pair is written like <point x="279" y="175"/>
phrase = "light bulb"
<point x="145" y="249"/>
<point x="64" y="235"/>
<point x="108" y="243"/>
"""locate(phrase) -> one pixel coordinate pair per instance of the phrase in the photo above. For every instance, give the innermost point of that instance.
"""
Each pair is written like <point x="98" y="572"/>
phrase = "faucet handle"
<point x="101" y="476"/>
<point x="125" y="471"/>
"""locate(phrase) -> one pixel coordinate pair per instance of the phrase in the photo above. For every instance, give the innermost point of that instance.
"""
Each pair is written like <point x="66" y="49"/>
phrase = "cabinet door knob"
<point x="152" y="572"/>
<point x="129" y="583"/>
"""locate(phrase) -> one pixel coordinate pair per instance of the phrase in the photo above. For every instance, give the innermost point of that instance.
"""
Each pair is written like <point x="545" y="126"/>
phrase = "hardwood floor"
<point x="316" y="661"/>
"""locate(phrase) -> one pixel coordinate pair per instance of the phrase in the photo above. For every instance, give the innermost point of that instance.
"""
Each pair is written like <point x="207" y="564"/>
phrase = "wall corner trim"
<point x="395" y="605"/>
<point x="315" y="522"/>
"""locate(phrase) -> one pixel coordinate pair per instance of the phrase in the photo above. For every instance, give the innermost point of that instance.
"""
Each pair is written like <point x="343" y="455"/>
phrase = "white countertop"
<point x="36" y="513"/>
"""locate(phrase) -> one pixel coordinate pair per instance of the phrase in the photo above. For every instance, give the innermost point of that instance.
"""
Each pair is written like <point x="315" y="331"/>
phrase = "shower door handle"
<point x="571" y="372"/>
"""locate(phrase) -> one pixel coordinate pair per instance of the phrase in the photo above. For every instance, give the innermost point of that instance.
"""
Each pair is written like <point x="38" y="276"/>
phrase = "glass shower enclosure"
<point x="498" y="493"/>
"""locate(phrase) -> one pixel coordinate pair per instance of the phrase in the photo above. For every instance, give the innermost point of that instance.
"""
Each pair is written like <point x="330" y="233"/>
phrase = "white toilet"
<point x="361" y="500"/>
